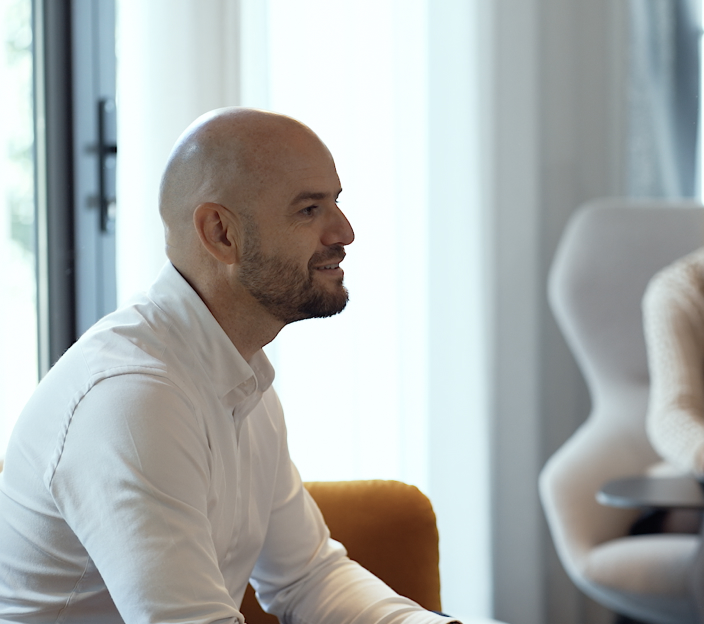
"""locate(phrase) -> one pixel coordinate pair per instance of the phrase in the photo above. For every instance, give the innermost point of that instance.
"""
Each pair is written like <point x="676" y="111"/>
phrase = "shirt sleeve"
<point x="304" y="576"/>
<point x="673" y="315"/>
<point x="131" y="483"/>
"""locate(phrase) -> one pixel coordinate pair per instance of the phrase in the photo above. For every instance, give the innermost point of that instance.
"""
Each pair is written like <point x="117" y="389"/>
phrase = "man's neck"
<point x="248" y="332"/>
<point x="247" y="324"/>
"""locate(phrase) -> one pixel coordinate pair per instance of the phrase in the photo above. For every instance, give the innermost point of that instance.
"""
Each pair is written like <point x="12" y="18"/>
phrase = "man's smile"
<point x="329" y="267"/>
<point x="331" y="259"/>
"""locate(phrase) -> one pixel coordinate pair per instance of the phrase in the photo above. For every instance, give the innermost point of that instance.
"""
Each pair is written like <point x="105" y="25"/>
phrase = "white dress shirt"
<point x="149" y="478"/>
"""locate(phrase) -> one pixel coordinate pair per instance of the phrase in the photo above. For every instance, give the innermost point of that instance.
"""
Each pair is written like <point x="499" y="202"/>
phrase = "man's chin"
<point x="325" y="304"/>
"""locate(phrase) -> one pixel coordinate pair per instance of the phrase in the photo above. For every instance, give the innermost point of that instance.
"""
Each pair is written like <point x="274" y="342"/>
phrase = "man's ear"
<point x="220" y="232"/>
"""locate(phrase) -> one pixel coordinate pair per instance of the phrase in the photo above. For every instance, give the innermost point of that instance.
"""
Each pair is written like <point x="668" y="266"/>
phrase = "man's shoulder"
<point x="139" y="336"/>
<point x="130" y="340"/>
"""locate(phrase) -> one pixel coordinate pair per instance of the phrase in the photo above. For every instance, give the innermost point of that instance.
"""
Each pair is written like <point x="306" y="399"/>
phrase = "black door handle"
<point x="107" y="157"/>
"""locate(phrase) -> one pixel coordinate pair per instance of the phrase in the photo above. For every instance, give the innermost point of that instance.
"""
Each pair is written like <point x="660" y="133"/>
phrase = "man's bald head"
<point x="225" y="157"/>
<point x="249" y="203"/>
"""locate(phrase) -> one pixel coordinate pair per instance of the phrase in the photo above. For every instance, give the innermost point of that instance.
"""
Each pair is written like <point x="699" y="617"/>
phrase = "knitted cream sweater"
<point x="673" y="317"/>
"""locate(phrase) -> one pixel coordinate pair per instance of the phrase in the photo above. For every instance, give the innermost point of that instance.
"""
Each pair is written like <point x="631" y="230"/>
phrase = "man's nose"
<point x="339" y="230"/>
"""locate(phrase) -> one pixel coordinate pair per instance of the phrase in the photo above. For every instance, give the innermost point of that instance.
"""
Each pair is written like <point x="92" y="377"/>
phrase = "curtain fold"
<point x="663" y="99"/>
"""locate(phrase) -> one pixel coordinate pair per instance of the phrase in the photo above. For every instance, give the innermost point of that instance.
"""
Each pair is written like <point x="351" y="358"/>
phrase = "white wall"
<point x="558" y="103"/>
<point x="516" y="291"/>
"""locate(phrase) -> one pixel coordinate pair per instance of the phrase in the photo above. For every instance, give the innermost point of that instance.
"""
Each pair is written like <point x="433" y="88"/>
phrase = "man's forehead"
<point x="308" y="174"/>
<point x="306" y="196"/>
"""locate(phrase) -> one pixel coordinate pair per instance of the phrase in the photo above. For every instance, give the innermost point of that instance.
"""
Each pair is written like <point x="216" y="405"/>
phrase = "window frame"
<point x="74" y="69"/>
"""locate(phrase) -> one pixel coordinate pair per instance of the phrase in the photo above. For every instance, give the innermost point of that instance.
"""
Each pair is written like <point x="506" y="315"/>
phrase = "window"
<point x="18" y="317"/>
<point x="57" y="275"/>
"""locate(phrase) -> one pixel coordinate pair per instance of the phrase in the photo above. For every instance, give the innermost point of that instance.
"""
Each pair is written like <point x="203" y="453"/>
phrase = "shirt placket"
<point x="247" y="390"/>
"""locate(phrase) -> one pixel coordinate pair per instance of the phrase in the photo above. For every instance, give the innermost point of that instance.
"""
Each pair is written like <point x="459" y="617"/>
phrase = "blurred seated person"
<point x="673" y="320"/>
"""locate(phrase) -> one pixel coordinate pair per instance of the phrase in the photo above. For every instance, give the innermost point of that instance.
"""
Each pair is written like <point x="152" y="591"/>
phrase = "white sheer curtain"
<point x="176" y="59"/>
<point x="394" y="387"/>
<point x="664" y="98"/>
<point x="361" y="376"/>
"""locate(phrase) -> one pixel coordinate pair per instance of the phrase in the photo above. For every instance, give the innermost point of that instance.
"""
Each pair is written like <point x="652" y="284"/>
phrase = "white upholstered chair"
<point x="608" y="253"/>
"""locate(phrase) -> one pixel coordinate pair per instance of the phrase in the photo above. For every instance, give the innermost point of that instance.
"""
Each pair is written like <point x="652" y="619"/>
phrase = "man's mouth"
<point x="328" y="260"/>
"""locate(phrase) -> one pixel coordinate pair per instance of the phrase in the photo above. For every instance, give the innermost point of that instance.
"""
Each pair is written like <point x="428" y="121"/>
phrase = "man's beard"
<point x="285" y="290"/>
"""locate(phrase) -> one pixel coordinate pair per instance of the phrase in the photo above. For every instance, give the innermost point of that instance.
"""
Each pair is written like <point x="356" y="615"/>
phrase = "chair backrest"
<point x="388" y="527"/>
<point x="608" y="253"/>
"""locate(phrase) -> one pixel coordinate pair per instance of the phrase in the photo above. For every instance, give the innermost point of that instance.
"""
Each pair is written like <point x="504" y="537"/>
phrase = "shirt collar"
<point x="238" y="383"/>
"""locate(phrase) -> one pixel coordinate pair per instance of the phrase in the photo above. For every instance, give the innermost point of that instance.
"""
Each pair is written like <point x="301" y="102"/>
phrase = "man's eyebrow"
<point x="312" y="195"/>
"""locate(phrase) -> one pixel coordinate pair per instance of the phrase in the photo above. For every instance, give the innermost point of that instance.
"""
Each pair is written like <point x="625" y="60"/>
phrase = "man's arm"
<point x="304" y="576"/>
<point x="132" y="482"/>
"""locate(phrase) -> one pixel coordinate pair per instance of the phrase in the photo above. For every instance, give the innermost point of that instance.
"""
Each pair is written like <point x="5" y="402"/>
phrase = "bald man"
<point x="148" y="478"/>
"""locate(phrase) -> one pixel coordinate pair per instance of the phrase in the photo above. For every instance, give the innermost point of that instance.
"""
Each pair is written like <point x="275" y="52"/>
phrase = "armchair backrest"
<point x="607" y="255"/>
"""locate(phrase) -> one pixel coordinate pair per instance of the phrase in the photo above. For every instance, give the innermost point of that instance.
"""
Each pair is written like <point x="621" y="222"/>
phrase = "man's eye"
<point x="308" y="211"/>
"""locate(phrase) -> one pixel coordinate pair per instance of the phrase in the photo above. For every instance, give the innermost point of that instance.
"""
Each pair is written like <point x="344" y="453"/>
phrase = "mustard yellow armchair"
<point x="388" y="527"/>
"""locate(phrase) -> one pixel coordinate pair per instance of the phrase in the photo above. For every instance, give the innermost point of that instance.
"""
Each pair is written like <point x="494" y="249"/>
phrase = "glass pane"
<point x="18" y="319"/>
